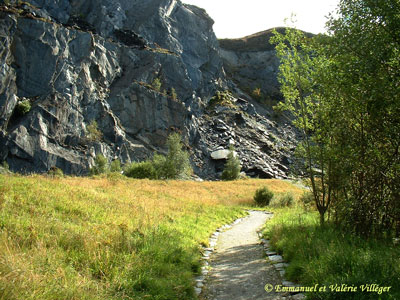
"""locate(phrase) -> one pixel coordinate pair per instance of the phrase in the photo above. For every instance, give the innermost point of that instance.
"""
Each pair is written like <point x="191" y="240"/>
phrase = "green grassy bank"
<point x="344" y="266"/>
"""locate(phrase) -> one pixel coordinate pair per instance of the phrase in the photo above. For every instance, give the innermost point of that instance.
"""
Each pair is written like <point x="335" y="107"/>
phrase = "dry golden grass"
<point x="229" y="193"/>
<point x="111" y="238"/>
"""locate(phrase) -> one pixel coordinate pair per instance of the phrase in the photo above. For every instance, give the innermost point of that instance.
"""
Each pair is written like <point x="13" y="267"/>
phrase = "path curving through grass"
<point x="239" y="270"/>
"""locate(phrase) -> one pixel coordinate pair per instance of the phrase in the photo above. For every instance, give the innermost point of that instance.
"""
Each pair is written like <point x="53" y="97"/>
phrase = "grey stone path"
<point x="239" y="270"/>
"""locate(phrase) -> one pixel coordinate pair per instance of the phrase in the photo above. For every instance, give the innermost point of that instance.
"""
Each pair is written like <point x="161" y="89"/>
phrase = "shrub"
<point x="307" y="200"/>
<point x="55" y="172"/>
<point x="92" y="132"/>
<point x="115" y="166"/>
<point x="156" y="84"/>
<point x="100" y="165"/>
<point x="284" y="200"/>
<point x="232" y="167"/>
<point x="23" y="107"/>
<point x="221" y="98"/>
<point x="263" y="196"/>
<point x="175" y="165"/>
<point x="4" y="168"/>
<point x="159" y="162"/>
<point x="141" y="170"/>
<point x="174" y="96"/>
<point x="5" y="165"/>
<point x="256" y="93"/>
<point x="114" y="176"/>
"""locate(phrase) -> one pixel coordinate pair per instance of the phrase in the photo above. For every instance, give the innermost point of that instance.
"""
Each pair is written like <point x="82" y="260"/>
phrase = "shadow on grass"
<point x="340" y="261"/>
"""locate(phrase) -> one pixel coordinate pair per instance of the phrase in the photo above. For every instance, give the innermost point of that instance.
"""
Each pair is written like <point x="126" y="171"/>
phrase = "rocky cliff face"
<point x="252" y="64"/>
<point x="67" y="63"/>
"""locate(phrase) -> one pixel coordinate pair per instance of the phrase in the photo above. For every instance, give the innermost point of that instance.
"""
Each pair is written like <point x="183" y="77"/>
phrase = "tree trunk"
<point x="322" y="218"/>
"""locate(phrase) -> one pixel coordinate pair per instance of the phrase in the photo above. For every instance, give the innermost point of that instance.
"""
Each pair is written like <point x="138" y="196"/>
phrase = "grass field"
<point x="348" y="266"/>
<point x="111" y="238"/>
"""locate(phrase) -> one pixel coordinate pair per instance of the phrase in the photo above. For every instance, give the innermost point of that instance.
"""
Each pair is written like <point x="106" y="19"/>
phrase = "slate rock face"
<point x="8" y="88"/>
<point x="64" y="75"/>
<point x="252" y="63"/>
<point x="57" y="9"/>
<point x="73" y="62"/>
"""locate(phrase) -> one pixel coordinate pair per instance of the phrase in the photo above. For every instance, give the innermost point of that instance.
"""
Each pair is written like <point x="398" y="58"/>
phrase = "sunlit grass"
<point x="328" y="256"/>
<point x="111" y="238"/>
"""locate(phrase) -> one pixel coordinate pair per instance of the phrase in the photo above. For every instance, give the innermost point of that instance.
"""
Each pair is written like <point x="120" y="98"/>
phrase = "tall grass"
<point x="328" y="256"/>
<point x="110" y="238"/>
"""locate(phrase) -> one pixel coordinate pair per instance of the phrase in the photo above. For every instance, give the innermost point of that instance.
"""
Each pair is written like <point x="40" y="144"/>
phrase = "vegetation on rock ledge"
<point x="221" y="98"/>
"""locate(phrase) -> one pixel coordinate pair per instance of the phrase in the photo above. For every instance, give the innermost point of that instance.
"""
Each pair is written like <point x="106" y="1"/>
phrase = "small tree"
<point x="100" y="165"/>
<point x="257" y="94"/>
<point x="177" y="163"/>
<point x="156" y="84"/>
<point x="300" y="75"/>
<point x="92" y="132"/>
<point x="174" y="96"/>
<point x="232" y="167"/>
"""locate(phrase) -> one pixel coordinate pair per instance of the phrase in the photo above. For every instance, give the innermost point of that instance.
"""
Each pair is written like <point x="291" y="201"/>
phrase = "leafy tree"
<point x="363" y="49"/>
<point x="232" y="167"/>
<point x="300" y="71"/>
<point x="343" y="90"/>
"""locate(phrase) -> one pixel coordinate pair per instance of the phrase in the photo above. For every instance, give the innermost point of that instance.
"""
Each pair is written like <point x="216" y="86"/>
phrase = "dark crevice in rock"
<point x="79" y="23"/>
<point x="130" y="38"/>
<point x="16" y="117"/>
